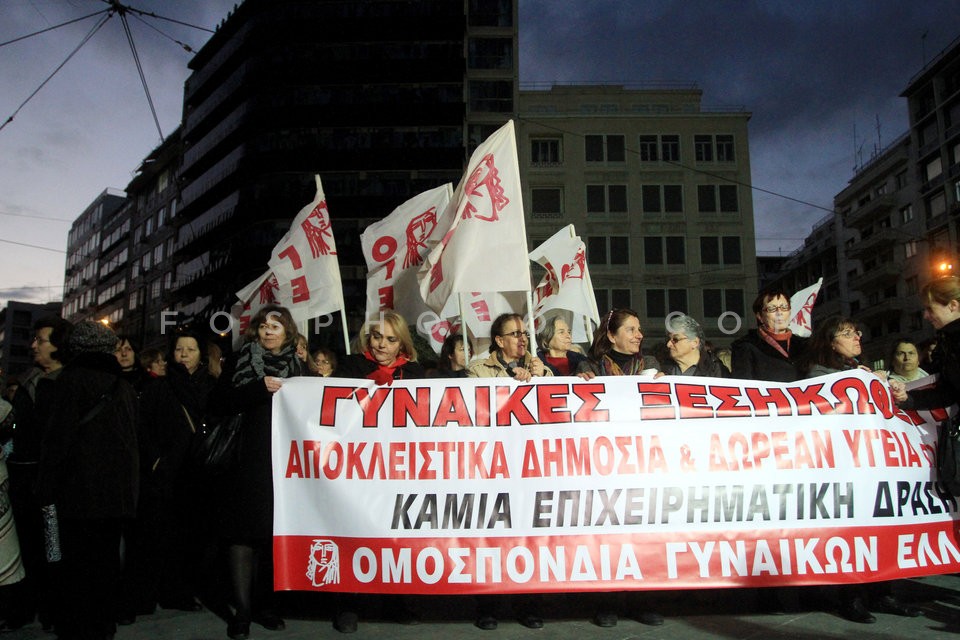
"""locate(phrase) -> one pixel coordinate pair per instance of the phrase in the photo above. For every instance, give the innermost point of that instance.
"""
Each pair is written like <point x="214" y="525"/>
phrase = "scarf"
<point x="628" y="365"/>
<point x="774" y="340"/>
<point x="255" y="363"/>
<point x="384" y="374"/>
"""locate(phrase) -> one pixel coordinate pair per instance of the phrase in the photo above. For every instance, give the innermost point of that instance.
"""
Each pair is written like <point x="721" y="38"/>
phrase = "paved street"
<point x="689" y="616"/>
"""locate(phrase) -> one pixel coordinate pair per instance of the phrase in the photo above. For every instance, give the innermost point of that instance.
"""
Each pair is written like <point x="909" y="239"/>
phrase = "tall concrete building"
<point x="381" y="99"/>
<point x="657" y="185"/>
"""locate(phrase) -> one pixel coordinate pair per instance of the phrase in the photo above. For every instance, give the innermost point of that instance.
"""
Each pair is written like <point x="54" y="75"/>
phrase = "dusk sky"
<point x="811" y="73"/>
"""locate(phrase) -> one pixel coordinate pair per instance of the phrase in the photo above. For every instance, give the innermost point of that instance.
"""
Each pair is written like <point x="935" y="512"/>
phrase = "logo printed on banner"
<point x="576" y="268"/>
<point x="268" y="291"/>
<point x="316" y="226"/>
<point x="323" y="566"/>
<point x="418" y="231"/>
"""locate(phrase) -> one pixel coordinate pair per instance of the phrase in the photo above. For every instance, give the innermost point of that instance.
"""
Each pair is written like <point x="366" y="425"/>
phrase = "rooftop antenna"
<point x="923" y="46"/>
<point x="879" y="139"/>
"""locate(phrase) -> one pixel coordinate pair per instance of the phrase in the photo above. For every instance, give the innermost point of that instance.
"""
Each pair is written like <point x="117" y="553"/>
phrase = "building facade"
<point x="656" y="185"/>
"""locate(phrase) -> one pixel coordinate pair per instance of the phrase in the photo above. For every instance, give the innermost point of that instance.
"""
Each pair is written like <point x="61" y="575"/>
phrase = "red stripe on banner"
<point x="693" y="560"/>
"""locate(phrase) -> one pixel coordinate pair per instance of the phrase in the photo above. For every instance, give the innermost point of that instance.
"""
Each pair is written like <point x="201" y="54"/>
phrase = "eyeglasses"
<point x="676" y="339"/>
<point x="517" y="335"/>
<point x="849" y="333"/>
<point x="773" y="308"/>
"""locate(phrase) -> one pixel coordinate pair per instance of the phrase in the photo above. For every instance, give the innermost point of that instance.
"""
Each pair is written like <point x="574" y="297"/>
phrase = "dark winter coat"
<point x="91" y="470"/>
<point x="573" y="357"/>
<point x="946" y="391"/>
<point x="753" y="359"/>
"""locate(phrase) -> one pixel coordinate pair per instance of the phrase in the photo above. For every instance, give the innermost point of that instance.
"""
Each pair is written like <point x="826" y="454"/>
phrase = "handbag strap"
<point x="102" y="402"/>
<point x="193" y="427"/>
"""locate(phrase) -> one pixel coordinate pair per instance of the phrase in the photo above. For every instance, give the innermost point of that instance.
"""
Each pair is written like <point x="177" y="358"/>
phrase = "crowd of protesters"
<point x="105" y="516"/>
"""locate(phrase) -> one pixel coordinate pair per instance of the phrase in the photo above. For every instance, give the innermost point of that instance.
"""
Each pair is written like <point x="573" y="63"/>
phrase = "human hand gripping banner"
<point x="617" y="483"/>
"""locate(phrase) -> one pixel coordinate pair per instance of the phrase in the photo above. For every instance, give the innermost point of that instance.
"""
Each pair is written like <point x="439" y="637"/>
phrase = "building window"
<point x="666" y="198"/>
<point x="936" y="205"/>
<point x="911" y="285"/>
<point x="706" y="198"/>
<point x="607" y="250"/>
<point x="670" y="148"/>
<point x="664" y="250"/>
<point x="911" y="248"/>
<point x="672" y="198"/>
<point x="605" y="148"/>
<point x="661" y="302"/>
<point x="725" y="150"/>
<point x="491" y="96"/>
<point x="716" y="302"/>
<point x="727" y="248"/>
<point x="933" y="169"/>
<point x="606" y="198"/>
<point x="703" y="148"/>
<point x="901" y="180"/>
<point x="729" y="201"/>
<point x="547" y="202"/>
<point x="612" y="299"/>
<point x="490" y="53"/>
<point x="649" y="149"/>
<point x="906" y="214"/>
<point x="545" y="152"/>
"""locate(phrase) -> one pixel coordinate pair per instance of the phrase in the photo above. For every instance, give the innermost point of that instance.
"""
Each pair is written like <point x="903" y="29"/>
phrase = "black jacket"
<point x="91" y="470"/>
<point x="753" y="359"/>
<point x="947" y="389"/>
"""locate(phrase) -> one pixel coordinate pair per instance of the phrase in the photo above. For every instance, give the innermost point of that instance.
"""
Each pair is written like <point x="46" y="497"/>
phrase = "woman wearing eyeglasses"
<point x="689" y="355"/>
<point x="770" y="352"/>
<point x="509" y="353"/>
<point x="834" y="347"/>
<point x="386" y="352"/>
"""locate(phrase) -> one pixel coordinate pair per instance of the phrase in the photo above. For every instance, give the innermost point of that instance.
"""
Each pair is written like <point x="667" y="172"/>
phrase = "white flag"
<point x="566" y="285"/>
<point x="253" y="297"/>
<point x="485" y="246"/>
<point x="802" y="304"/>
<point x="305" y="263"/>
<point x="394" y="249"/>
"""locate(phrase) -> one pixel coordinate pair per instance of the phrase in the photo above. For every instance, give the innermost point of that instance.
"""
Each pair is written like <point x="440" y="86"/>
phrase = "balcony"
<point x="888" y="308"/>
<point x="871" y="210"/>
<point x="886" y="274"/>
<point x="879" y="239"/>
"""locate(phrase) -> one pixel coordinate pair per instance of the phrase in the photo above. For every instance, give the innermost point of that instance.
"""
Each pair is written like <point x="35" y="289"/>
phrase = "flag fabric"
<point x="305" y="263"/>
<point x="484" y="248"/>
<point x="566" y="284"/>
<point x="394" y="249"/>
<point x="802" y="303"/>
<point x="253" y="297"/>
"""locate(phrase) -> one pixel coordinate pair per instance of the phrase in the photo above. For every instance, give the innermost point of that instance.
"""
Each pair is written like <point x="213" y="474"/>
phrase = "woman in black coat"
<point x="89" y="470"/>
<point x="386" y="352"/>
<point x="770" y="352"/>
<point x="172" y="497"/>
<point x="244" y="501"/>
<point x="941" y="308"/>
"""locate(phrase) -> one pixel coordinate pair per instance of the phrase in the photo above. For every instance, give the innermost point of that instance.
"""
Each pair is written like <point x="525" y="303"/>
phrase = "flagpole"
<point x="343" y="323"/>
<point x="463" y="329"/>
<point x="531" y="325"/>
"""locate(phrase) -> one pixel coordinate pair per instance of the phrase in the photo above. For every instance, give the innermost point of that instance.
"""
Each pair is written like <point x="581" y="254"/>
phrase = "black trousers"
<point x="89" y="573"/>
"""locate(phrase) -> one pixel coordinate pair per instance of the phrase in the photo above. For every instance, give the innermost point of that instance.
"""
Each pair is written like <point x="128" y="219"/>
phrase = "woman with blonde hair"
<point x="386" y="352"/>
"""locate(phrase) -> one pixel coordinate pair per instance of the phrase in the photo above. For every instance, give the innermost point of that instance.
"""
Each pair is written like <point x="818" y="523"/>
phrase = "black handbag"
<point x="948" y="454"/>
<point x="216" y="446"/>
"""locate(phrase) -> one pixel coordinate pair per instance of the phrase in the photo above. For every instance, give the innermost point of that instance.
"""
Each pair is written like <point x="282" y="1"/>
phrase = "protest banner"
<point x="617" y="483"/>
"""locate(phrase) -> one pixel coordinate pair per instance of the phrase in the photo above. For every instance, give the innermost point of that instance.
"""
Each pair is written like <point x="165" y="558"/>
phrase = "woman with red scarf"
<point x="770" y="352"/>
<point x="387" y="352"/>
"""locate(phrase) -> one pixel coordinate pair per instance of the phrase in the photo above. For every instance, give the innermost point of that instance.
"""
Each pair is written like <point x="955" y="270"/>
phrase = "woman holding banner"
<point x="835" y="347"/>
<point x="689" y="355"/>
<point x="616" y="351"/>
<point x="244" y="504"/>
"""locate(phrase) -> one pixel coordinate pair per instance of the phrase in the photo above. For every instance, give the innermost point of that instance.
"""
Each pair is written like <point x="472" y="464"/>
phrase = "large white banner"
<point x="489" y="485"/>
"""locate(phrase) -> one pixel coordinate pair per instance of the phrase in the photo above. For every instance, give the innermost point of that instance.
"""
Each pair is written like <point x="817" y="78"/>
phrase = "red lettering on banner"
<point x="482" y="398"/>
<point x="328" y="403"/>
<point x="294" y="465"/>
<point x="841" y="389"/>
<point x="729" y="398"/>
<point x="386" y="297"/>
<point x="773" y="397"/>
<point x="301" y="290"/>
<point x="383" y="248"/>
<point x="749" y="451"/>
<point x="510" y="406"/>
<point x="588" y="412"/>
<point x="355" y="460"/>
<point x="452" y="408"/>
<point x="294" y="257"/>
<point x="656" y="401"/>
<point x="551" y="398"/>
<point x="370" y="404"/>
<point x="693" y="402"/>
<point x="404" y="406"/>
<point x="808" y="398"/>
